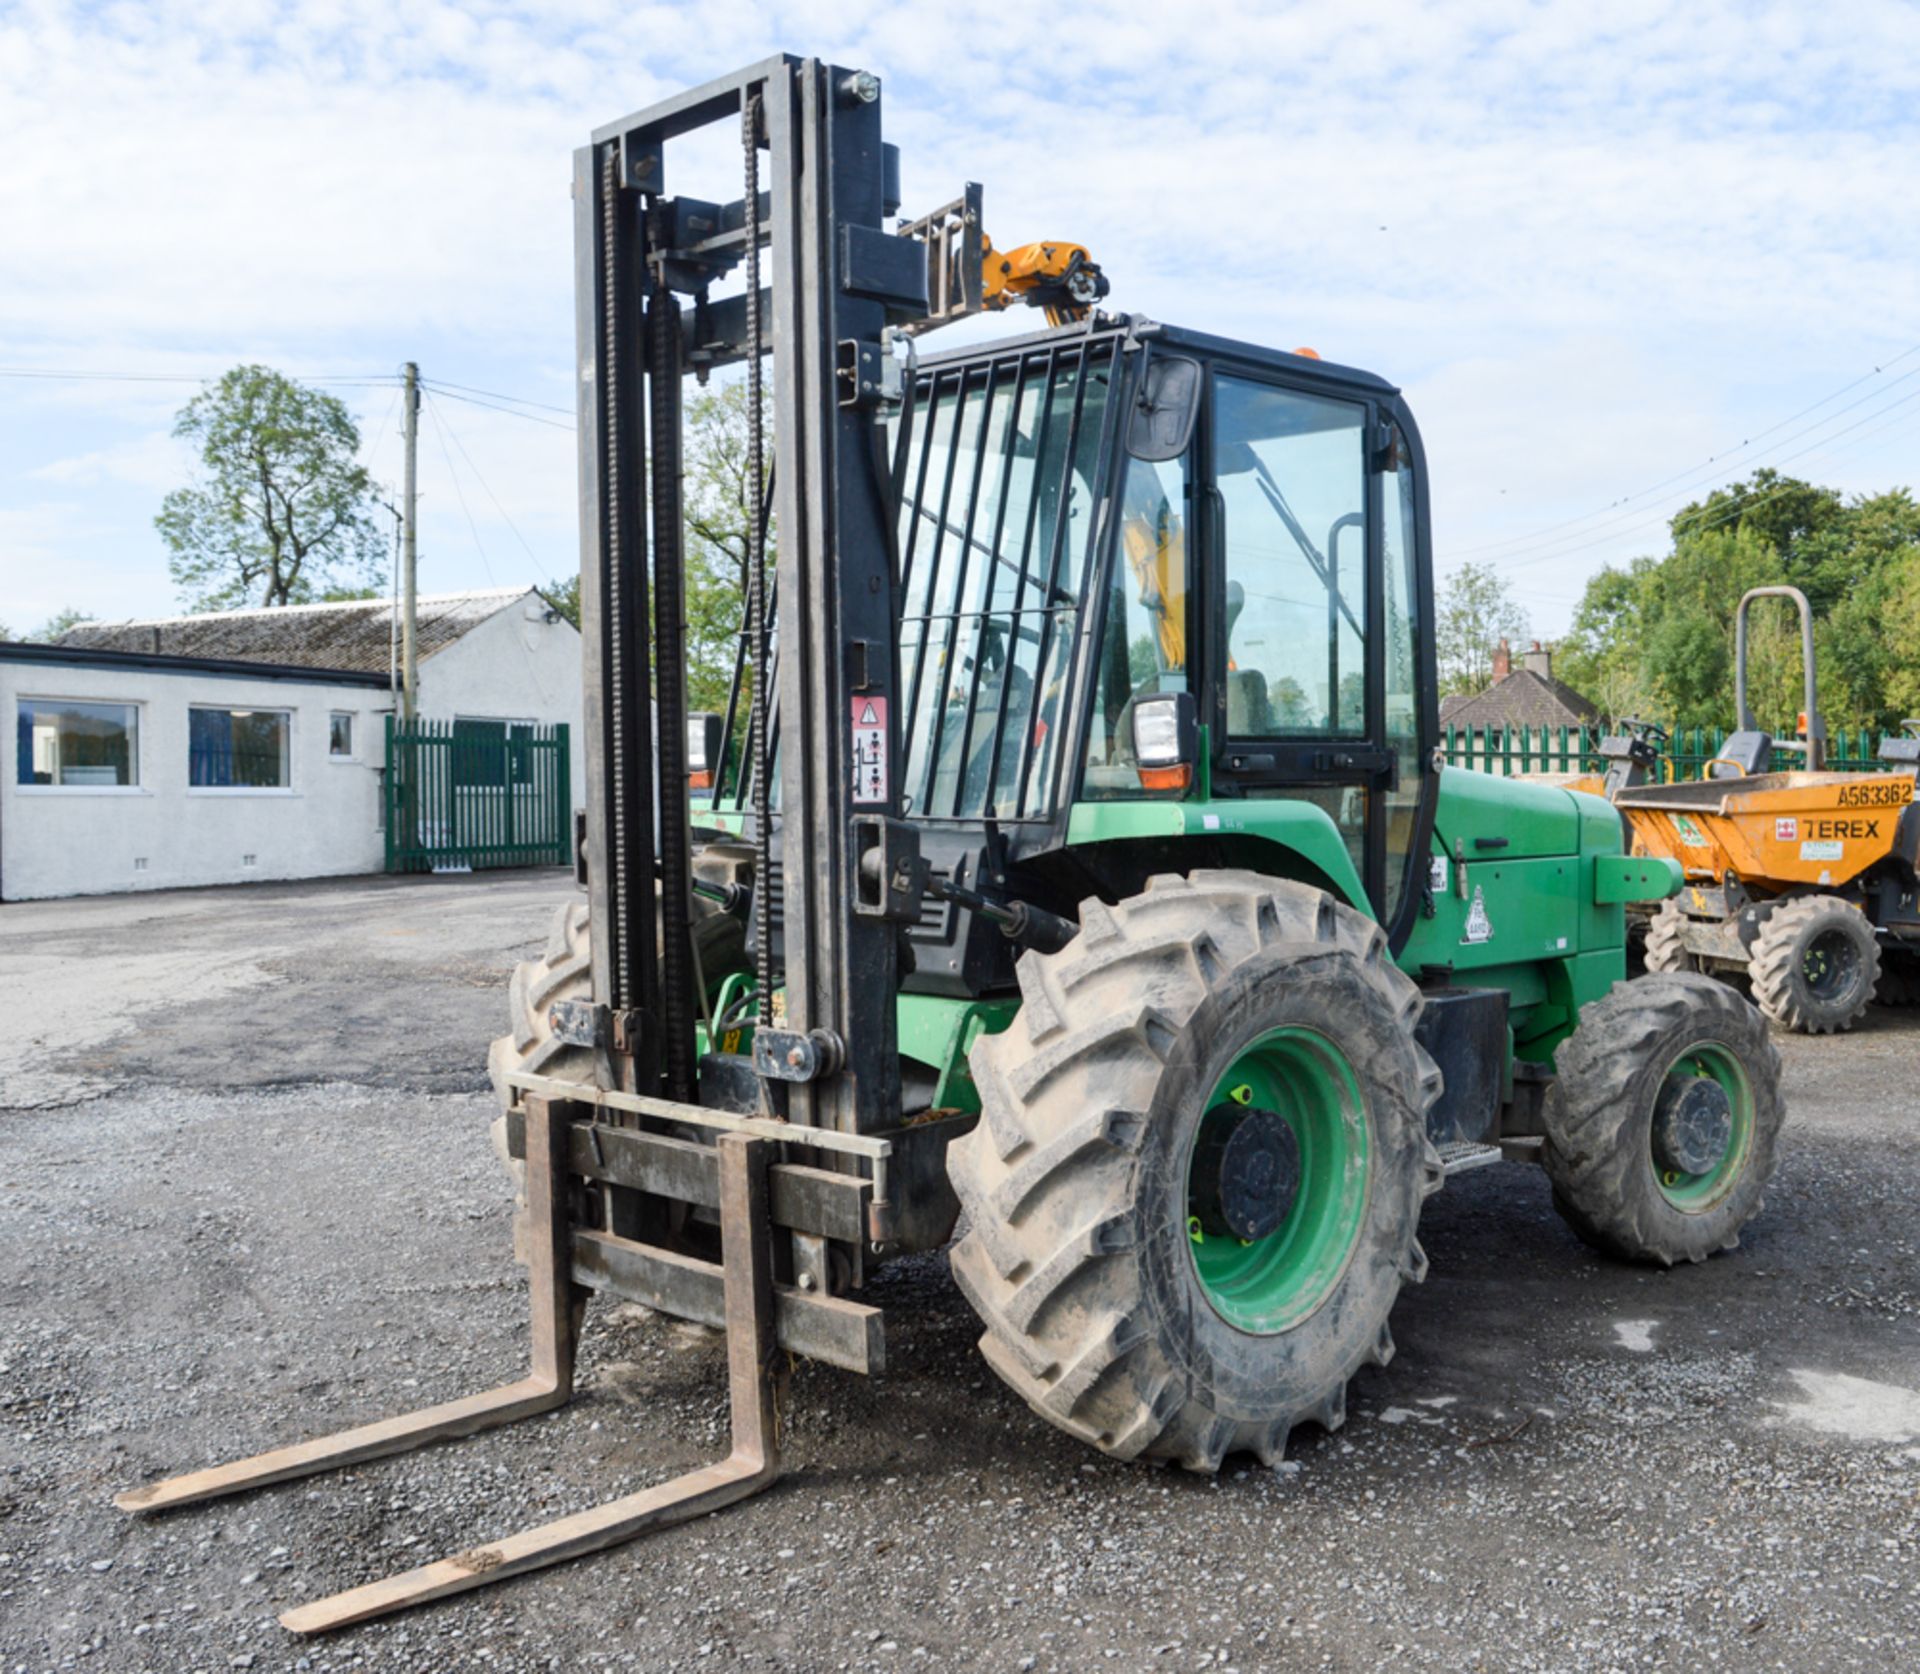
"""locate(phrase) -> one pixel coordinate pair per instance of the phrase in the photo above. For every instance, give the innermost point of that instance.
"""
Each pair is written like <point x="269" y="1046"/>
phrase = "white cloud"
<point x="1595" y="244"/>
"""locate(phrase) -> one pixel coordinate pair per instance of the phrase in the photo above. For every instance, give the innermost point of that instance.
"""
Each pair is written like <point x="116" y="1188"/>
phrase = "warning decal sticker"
<point x="1786" y="831"/>
<point x="1479" y="926"/>
<point x="870" y="750"/>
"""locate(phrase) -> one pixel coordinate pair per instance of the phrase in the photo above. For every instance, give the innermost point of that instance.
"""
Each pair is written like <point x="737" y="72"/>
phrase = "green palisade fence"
<point x="1512" y="750"/>
<point x="463" y="794"/>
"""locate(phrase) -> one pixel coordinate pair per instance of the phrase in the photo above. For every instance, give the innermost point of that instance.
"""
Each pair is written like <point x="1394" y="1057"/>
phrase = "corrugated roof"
<point x="354" y="635"/>
<point x="1522" y="699"/>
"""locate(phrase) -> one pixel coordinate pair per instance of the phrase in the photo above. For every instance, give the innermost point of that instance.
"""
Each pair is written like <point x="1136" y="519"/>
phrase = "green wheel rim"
<point x="1698" y="1192"/>
<point x="1270" y="1285"/>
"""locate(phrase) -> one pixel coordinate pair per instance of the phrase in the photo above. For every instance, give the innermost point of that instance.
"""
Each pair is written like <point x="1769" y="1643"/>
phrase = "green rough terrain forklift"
<point x="1072" y="863"/>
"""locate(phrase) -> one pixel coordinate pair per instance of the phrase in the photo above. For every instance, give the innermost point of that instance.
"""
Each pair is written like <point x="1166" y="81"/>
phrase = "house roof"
<point x="86" y="656"/>
<point x="1522" y="699"/>
<point x="354" y="635"/>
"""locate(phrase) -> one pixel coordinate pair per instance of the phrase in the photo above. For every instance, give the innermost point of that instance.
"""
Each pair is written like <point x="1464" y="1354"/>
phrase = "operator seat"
<point x="1748" y="751"/>
<point x="1249" y="714"/>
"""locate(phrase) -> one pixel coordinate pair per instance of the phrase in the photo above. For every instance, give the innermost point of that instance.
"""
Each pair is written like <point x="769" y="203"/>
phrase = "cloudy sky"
<point x="1613" y="253"/>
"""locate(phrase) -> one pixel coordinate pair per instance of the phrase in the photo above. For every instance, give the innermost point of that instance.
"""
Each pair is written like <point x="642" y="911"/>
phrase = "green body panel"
<point x="1296" y="829"/>
<point x="939" y="1032"/>
<point x="1541" y="916"/>
<point x="1618" y="879"/>
<point x="1529" y="917"/>
<point x="1534" y="819"/>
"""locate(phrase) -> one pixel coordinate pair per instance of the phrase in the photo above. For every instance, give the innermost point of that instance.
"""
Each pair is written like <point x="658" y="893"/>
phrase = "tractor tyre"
<point x="563" y="972"/>
<point x="1131" y="1140"/>
<point x="1665" y="951"/>
<point x="1899" y="983"/>
<point x="1661" y="1119"/>
<point x="1815" y="965"/>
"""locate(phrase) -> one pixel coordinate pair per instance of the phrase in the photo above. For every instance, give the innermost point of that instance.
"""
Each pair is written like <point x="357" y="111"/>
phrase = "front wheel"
<point x="1815" y="964"/>
<point x="1193" y="1192"/>
<point x="1662" y="1118"/>
<point x="1666" y="948"/>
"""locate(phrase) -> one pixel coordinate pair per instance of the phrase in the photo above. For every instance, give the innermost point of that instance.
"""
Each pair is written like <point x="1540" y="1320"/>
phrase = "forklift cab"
<point x="1139" y="565"/>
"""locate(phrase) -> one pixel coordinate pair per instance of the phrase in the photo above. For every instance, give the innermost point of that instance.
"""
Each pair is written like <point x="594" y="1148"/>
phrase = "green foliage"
<point x="563" y="593"/>
<point x="1476" y="613"/>
<point x="68" y="616"/>
<point x="1656" y="638"/>
<point x="282" y="510"/>
<point x="717" y="519"/>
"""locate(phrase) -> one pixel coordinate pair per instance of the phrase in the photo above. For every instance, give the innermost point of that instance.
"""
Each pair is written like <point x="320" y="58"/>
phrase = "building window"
<point x="239" y="749"/>
<point x="340" y="735"/>
<point x="91" y="746"/>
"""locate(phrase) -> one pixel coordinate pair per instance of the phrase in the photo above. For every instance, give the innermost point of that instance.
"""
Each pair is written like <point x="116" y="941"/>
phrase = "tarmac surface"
<point x="246" y="1195"/>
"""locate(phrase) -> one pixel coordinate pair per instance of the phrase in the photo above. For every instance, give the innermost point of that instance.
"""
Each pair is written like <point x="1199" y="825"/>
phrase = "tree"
<point x="1476" y="612"/>
<point x="563" y="593"/>
<point x="282" y="509"/>
<point x="717" y="520"/>
<point x="58" y="623"/>
<point x="1600" y="655"/>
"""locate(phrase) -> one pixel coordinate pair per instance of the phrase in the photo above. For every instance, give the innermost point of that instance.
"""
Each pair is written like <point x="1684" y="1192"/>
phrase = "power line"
<point x="1718" y="461"/>
<point x="518" y="400"/>
<point x="353" y="381"/>
<point x="440" y="435"/>
<point x="1635" y="523"/>
<point x="380" y="434"/>
<point x="512" y="412"/>
<point x="482" y="481"/>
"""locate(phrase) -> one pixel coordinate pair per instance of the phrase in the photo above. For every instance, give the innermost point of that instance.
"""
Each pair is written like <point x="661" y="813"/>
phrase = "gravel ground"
<point x="248" y="1196"/>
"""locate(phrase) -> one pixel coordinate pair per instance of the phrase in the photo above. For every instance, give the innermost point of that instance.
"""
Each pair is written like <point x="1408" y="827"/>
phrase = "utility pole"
<point x="409" y="549"/>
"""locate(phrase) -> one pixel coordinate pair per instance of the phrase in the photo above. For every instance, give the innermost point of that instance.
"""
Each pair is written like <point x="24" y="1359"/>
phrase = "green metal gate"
<point x="466" y="794"/>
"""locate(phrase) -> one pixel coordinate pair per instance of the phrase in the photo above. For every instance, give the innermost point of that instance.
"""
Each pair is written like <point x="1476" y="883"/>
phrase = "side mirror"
<point x="1164" y="408"/>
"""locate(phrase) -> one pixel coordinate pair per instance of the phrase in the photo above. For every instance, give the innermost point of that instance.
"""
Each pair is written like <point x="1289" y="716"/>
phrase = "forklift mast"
<point x="822" y="280"/>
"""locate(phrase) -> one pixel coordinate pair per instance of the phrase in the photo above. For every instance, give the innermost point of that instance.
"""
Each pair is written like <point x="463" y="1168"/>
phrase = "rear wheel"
<point x="1665" y="950"/>
<point x="1661" y="1119"/>
<point x="1193" y="1192"/>
<point x="1815" y="964"/>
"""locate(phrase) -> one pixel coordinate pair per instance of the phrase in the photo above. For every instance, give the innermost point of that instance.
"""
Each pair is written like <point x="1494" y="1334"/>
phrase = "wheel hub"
<point x="1692" y="1124"/>
<point x="1245" y="1175"/>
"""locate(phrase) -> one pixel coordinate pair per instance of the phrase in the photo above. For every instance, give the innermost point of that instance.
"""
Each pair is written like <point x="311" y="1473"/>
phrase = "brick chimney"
<point x="1502" y="659"/>
<point x="1540" y="661"/>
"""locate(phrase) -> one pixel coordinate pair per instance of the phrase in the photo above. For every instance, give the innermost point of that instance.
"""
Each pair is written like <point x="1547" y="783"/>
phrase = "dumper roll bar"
<point x="1814" y="745"/>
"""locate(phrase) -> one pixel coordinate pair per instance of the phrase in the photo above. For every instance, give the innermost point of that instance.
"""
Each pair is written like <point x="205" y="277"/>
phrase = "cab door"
<point x="1315" y="614"/>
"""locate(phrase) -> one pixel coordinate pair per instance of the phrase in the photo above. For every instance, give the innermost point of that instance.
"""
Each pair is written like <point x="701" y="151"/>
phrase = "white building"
<point x="246" y="745"/>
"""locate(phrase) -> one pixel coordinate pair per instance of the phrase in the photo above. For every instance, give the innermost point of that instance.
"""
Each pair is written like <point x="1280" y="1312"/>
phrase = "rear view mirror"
<point x="1161" y="423"/>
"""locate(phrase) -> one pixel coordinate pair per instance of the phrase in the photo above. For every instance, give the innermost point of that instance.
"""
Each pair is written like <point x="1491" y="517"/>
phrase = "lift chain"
<point x="757" y="743"/>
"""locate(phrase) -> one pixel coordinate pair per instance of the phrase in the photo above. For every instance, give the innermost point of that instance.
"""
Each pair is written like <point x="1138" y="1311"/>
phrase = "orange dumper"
<point x="1802" y="880"/>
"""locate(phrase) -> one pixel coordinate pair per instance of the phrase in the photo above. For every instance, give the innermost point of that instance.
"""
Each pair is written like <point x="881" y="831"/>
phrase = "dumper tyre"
<point x="1666" y="948"/>
<point x="1815" y="965"/>
<point x="1639" y="1052"/>
<point x="1108" y="1306"/>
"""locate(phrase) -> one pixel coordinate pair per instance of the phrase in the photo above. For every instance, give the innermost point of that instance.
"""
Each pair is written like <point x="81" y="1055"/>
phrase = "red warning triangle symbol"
<point x="868" y="717"/>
